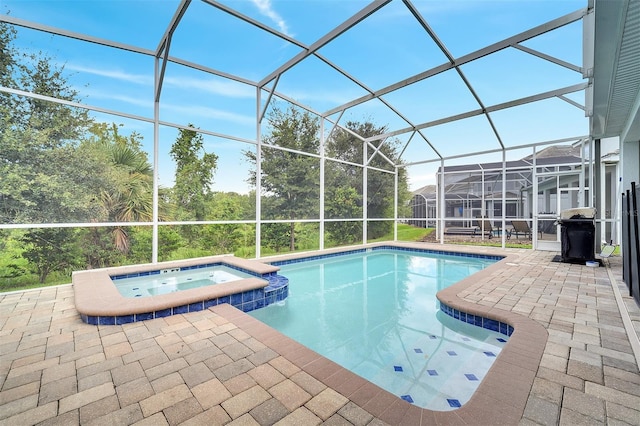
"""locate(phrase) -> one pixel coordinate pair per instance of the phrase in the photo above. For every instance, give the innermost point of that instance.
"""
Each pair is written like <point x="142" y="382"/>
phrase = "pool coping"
<point x="97" y="296"/>
<point x="501" y="396"/>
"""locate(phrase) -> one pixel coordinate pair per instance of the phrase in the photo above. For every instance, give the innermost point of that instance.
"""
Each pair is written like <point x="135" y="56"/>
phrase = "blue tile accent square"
<point x="500" y="339"/>
<point x="418" y="350"/>
<point x="125" y="319"/>
<point x="471" y="377"/>
<point x="92" y="320"/>
<point x="145" y="316"/>
<point x="195" y="307"/>
<point x="209" y="303"/>
<point x="452" y="353"/>
<point x="106" y="320"/>
<point x="397" y="368"/>
<point x="466" y="339"/>
<point x="183" y="309"/>
<point x="432" y="372"/>
<point x="247" y="296"/>
<point x="271" y="297"/>
<point x="454" y="403"/>
<point x="223" y="299"/>
<point x="490" y="324"/>
<point x="236" y="299"/>
<point x="407" y="398"/>
<point x="163" y="313"/>
<point x="489" y="354"/>
<point x="432" y="337"/>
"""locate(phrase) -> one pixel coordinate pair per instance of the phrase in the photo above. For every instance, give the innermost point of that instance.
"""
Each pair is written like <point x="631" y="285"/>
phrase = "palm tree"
<point x="130" y="200"/>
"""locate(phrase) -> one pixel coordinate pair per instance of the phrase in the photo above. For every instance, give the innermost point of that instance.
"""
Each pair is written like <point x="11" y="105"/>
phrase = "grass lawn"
<point x="405" y="233"/>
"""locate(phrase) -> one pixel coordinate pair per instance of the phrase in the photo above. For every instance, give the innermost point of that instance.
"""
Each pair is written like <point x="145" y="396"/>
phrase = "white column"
<point x="322" y="164"/>
<point x="364" y="194"/>
<point x="156" y="138"/>
<point x="258" y="174"/>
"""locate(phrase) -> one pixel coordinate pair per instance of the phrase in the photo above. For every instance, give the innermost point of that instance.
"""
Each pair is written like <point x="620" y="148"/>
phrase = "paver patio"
<point x="221" y="366"/>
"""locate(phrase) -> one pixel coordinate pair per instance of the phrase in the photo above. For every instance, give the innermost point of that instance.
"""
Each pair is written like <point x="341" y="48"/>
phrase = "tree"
<point x="43" y="180"/>
<point x="50" y="249"/>
<point x="345" y="146"/>
<point x="195" y="170"/>
<point x="290" y="181"/>
<point x="343" y="202"/>
<point x="129" y="195"/>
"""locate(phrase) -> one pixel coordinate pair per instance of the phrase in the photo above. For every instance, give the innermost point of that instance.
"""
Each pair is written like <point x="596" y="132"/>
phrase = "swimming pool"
<point x="376" y="314"/>
<point x="171" y="280"/>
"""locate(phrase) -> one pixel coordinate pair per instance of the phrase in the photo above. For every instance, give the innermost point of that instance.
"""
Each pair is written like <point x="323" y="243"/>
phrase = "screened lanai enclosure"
<point x="138" y="132"/>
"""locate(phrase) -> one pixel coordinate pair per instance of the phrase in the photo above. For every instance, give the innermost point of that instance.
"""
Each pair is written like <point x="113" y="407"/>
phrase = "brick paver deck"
<point x="221" y="366"/>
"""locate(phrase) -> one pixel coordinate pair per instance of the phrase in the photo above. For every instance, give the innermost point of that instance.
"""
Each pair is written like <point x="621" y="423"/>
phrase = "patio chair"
<point x="520" y="227"/>
<point x="484" y="225"/>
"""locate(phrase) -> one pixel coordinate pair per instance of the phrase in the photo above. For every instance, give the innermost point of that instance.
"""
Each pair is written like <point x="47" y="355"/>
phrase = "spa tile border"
<point x="99" y="302"/>
<point x="276" y="291"/>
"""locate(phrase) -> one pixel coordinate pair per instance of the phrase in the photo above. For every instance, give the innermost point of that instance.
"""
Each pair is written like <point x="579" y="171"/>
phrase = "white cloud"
<point x="224" y="88"/>
<point x="265" y="8"/>
<point x="207" y="112"/>
<point x="324" y="96"/>
<point x="143" y="79"/>
<point x="100" y="94"/>
<point x="227" y="88"/>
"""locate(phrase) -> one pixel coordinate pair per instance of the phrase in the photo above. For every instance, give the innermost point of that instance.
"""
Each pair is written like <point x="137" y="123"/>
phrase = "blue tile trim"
<point x="477" y="320"/>
<point x="392" y="248"/>
<point x="277" y="290"/>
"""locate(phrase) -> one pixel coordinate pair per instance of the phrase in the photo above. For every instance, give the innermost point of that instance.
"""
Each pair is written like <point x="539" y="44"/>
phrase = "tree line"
<point x="60" y="165"/>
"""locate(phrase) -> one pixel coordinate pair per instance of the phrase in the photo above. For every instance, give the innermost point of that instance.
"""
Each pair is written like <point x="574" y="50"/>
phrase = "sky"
<point x="388" y="46"/>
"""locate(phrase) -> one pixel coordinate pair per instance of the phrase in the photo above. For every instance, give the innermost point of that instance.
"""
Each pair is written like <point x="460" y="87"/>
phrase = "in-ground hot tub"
<point x="99" y="301"/>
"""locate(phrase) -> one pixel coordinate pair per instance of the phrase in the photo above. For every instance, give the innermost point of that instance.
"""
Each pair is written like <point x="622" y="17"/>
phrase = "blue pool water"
<point x="376" y="314"/>
<point x="169" y="281"/>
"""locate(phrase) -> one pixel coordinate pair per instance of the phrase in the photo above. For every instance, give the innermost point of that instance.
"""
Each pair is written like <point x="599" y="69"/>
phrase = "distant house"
<point x="478" y="190"/>
<point x="423" y="206"/>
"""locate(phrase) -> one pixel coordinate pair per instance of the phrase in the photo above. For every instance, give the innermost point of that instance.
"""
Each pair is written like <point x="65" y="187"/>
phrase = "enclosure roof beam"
<point x="549" y="58"/>
<point x="71" y="34"/>
<point x="497" y="107"/>
<point x="173" y="24"/>
<point x="452" y="60"/>
<point x="255" y="23"/>
<point x="508" y="42"/>
<point x="119" y="113"/>
<point x="351" y="22"/>
<point x="162" y="51"/>
<point x="291" y="40"/>
<point x="130" y="48"/>
<point x="509" y="148"/>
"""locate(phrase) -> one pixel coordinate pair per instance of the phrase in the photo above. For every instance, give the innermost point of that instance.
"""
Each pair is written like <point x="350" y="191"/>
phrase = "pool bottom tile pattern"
<point x="433" y="374"/>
